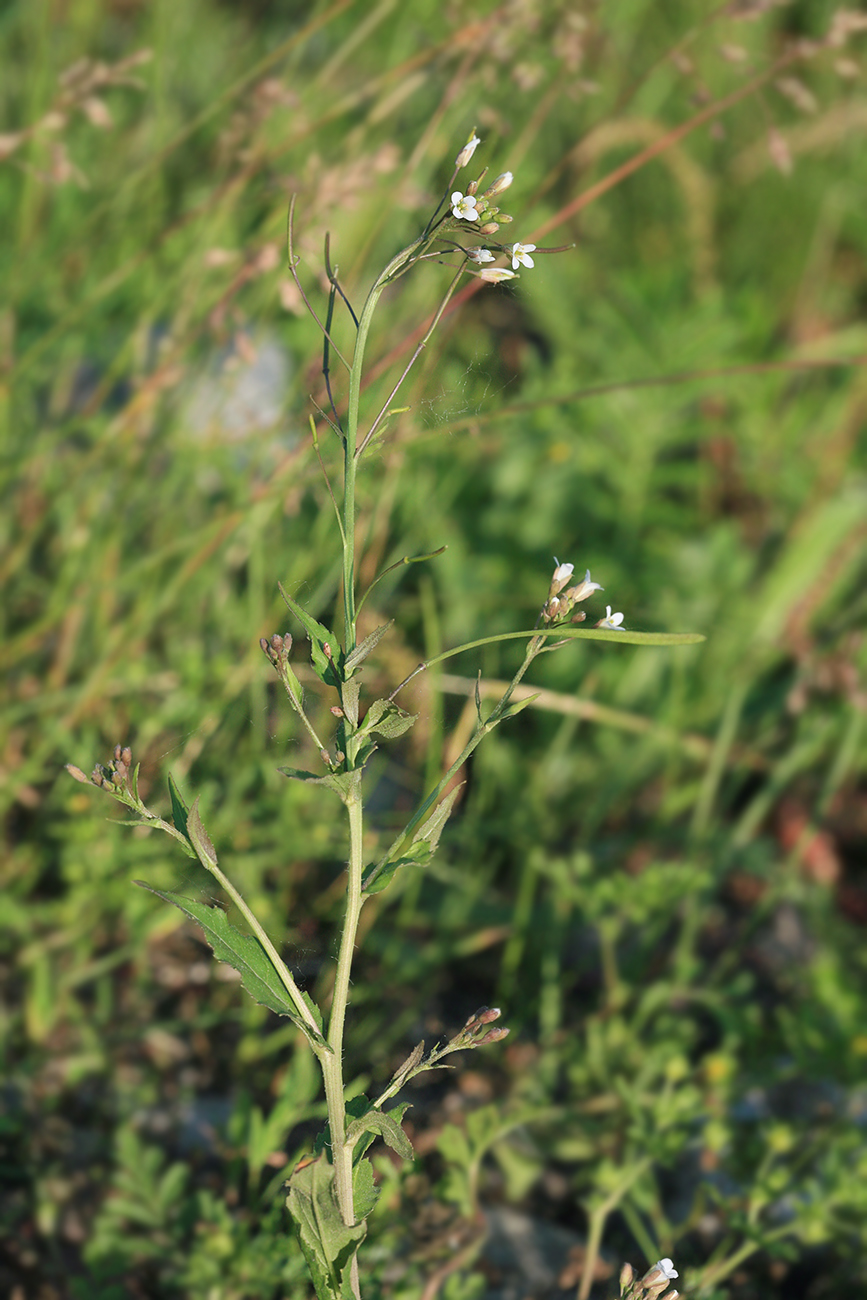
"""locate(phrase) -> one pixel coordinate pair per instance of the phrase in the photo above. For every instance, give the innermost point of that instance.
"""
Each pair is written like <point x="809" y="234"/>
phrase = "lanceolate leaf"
<point x="199" y="839"/>
<point x="328" y="1244"/>
<point x="363" y="649"/>
<point x="339" y="782"/>
<point x="246" y="954"/>
<point x="515" y="707"/>
<point x="328" y="666"/>
<point x="179" y="808"/>
<point x="419" y="851"/>
<point x="431" y="830"/>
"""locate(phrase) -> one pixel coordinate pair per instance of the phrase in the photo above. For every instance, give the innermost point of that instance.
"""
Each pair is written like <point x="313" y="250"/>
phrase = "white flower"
<point x="480" y="255"/>
<point x="665" y="1266"/>
<point x="494" y="274"/>
<point x="612" y="622"/>
<point x="503" y="181"/>
<point x="468" y="150"/>
<point x="464" y="206"/>
<point x="584" y="589"/>
<point x="563" y="572"/>
<point x="521" y="253"/>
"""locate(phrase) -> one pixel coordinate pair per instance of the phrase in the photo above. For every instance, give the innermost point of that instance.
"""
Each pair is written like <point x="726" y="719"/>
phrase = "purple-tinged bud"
<point x="493" y="1036"/>
<point x="97" y="776"/>
<point x="326" y="650"/>
<point x="117" y="753"/>
<point x="127" y="755"/>
<point x="77" y="773"/>
<point x="325" y="756"/>
<point x="337" y="711"/>
<point x="117" y="779"/>
<point x="489" y="228"/>
<point x="266" y="649"/>
<point x="627" y="1273"/>
<point x="579" y="617"/>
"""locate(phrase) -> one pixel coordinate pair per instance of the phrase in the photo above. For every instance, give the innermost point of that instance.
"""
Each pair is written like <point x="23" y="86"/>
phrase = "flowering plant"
<point x="332" y="1192"/>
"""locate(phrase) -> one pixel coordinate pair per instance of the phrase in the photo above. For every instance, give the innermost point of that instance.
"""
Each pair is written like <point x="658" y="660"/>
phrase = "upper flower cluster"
<point x="485" y="219"/>
<point x="562" y="599"/>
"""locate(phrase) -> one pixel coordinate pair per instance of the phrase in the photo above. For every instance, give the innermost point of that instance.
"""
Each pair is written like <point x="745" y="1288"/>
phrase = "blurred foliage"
<point x="658" y="871"/>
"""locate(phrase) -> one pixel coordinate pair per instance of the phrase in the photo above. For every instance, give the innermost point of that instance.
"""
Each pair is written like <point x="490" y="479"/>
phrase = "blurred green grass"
<point x="665" y="888"/>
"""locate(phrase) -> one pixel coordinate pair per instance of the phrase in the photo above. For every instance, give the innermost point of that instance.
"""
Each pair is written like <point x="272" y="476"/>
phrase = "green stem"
<point x="351" y="439"/>
<point x="332" y="1066"/>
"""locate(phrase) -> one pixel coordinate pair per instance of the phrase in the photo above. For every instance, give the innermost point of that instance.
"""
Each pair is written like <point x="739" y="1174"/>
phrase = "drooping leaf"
<point x="246" y="954"/>
<point x="363" y="649"/>
<point x="339" y="782"/>
<point x="328" y="1244"/>
<point x="384" y="1124"/>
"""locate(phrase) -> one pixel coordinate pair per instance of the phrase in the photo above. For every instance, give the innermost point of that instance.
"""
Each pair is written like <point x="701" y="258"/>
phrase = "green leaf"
<point x="339" y="782"/>
<point x="349" y="699"/>
<point x="432" y="829"/>
<point x="361" y="651"/>
<point x="246" y="954"/>
<point x="419" y="852"/>
<point x="329" y="668"/>
<point x="179" y="808"/>
<point x="384" y="1124"/>
<point x="198" y="837"/>
<point x="365" y="1193"/>
<point x="328" y="1244"/>
<point x="516" y="706"/>
<point x="626" y="637"/>
<point x="384" y="718"/>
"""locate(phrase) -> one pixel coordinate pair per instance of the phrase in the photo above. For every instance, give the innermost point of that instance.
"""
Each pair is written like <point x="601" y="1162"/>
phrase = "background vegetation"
<point x="659" y="870"/>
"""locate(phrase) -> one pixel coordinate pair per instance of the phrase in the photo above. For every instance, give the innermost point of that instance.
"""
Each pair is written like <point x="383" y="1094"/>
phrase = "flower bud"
<point x="493" y="1036"/>
<point x="496" y="274"/>
<point x="77" y="773"/>
<point x="489" y="228"/>
<point x="468" y="150"/>
<point x="503" y="181"/>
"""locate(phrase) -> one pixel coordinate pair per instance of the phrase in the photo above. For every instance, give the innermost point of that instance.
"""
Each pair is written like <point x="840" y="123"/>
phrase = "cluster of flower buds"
<point x="277" y="649"/>
<point x="112" y="777"/>
<point x="562" y="599"/>
<point x="475" y="1032"/>
<point x="652" y="1285"/>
